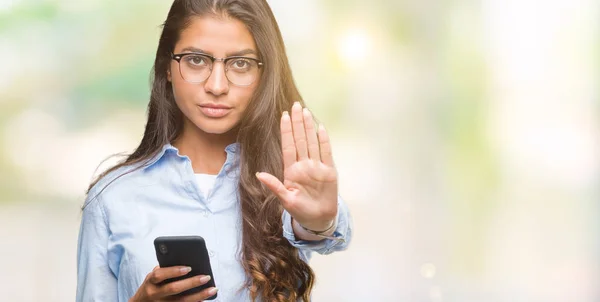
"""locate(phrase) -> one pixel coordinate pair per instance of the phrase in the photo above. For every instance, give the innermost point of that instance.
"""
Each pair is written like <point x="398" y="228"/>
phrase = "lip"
<point x="215" y="112"/>
<point x="216" y="106"/>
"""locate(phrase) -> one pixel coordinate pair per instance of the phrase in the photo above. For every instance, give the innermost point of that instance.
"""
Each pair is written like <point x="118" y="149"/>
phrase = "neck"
<point x="205" y="150"/>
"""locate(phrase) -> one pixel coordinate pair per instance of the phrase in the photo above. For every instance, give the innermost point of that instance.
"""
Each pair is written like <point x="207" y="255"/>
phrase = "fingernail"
<point x="212" y="291"/>
<point x="257" y="173"/>
<point x="285" y="113"/>
<point x="296" y="103"/>
<point x="204" y="279"/>
<point x="185" y="270"/>
<point x="306" y="111"/>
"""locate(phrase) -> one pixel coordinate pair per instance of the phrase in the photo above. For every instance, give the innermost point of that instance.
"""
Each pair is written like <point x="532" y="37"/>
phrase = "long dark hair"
<point x="273" y="267"/>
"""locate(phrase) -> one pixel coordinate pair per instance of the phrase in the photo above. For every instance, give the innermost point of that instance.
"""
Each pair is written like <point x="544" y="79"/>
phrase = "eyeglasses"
<point x="197" y="67"/>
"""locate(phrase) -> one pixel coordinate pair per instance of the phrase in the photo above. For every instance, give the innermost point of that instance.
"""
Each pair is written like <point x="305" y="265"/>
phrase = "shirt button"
<point x="211" y="253"/>
<point x="205" y="213"/>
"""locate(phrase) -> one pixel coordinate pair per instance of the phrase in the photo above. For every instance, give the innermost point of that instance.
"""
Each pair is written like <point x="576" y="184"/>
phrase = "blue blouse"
<point x="115" y="247"/>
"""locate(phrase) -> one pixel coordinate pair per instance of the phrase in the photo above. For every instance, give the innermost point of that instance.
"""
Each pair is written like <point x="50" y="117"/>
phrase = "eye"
<point x="241" y="64"/>
<point x="196" y="60"/>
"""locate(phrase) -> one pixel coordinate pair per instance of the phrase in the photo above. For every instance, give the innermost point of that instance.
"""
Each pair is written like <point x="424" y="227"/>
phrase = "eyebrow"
<point x="242" y="52"/>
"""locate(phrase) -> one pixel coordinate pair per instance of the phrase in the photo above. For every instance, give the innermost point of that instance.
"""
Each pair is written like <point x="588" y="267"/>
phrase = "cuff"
<point x="325" y="246"/>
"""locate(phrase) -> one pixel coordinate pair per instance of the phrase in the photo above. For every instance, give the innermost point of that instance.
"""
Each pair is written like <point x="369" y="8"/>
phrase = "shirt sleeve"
<point x="326" y="246"/>
<point x="95" y="280"/>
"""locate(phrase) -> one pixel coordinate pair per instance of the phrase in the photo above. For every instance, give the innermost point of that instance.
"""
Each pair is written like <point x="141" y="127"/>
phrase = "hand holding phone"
<point x="184" y="272"/>
<point x="187" y="251"/>
<point x="154" y="287"/>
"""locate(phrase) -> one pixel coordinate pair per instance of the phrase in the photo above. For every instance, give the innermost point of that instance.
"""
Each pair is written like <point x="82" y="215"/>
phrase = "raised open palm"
<point x="309" y="189"/>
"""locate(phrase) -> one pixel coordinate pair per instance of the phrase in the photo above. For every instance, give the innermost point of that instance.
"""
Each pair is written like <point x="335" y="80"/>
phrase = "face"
<point x="219" y="37"/>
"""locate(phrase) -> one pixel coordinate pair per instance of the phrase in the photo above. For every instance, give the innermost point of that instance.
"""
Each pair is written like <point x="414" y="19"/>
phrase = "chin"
<point x="214" y="127"/>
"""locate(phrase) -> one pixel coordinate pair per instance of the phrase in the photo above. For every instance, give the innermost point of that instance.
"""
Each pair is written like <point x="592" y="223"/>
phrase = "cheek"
<point x="183" y="98"/>
<point x="182" y="90"/>
<point x="245" y="97"/>
<point x="176" y="80"/>
<point x="249" y="93"/>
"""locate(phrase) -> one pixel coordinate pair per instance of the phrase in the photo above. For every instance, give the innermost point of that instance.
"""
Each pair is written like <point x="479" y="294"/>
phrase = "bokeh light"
<point x="354" y="47"/>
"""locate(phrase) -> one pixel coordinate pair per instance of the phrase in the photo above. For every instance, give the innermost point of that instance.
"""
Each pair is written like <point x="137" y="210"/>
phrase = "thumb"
<point x="274" y="185"/>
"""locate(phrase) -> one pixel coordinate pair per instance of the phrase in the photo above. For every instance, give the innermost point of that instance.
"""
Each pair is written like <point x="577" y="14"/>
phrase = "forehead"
<point x="216" y="35"/>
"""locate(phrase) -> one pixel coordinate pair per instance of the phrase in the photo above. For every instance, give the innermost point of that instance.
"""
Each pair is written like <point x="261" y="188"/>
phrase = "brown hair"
<point x="273" y="266"/>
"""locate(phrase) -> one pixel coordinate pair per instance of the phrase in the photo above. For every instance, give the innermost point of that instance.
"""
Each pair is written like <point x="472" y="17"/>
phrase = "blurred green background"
<point x="466" y="135"/>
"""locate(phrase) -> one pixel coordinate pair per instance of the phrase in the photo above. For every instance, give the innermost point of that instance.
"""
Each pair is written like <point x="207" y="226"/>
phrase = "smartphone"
<point x="187" y="251"/>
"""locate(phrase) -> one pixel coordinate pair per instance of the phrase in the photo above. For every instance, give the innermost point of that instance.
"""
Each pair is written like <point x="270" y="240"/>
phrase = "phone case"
<point x="187" y="251"/>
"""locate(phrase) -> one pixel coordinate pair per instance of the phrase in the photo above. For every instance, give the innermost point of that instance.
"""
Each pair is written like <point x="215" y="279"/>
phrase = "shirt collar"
<point x="231" y="149"/>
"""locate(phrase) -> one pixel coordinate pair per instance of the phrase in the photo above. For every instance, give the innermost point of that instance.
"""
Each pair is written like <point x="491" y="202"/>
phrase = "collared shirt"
<point x="118" y="227"/>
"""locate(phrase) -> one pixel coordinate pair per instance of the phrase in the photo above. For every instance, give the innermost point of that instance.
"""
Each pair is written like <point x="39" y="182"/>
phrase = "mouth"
<point x="216" y="106"/>
<point x="215" y="111"/>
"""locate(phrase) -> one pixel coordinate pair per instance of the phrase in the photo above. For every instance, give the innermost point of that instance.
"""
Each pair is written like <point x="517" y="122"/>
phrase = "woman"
<point x="218" y="140"/>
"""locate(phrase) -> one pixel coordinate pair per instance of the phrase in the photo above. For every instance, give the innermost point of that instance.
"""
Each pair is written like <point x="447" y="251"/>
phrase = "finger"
<point x="201" y="296"/>
<point x="274" y="185"/>
<point x="287" y="140"/>
<point x="311" y="135"/>
<point x="161" y="274"/>
<point x="176" y="287"/>
<point x="326" y="156"/>
<point x="299" y="133"/>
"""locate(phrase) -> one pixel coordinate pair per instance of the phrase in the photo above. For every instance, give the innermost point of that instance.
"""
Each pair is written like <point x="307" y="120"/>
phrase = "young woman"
<point x="228" y="153"/>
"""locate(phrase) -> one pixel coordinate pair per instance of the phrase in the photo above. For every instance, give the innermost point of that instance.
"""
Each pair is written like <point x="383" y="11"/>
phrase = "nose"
<point x="217" y="82"/>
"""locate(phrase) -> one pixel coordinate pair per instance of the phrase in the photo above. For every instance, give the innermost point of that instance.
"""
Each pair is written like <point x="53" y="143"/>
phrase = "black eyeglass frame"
<point x="178" y="56"/>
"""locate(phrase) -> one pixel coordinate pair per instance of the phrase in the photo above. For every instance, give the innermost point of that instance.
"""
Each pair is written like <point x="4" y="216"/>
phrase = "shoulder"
<point x="128" y="181"/>
<point x="115" y="183"/>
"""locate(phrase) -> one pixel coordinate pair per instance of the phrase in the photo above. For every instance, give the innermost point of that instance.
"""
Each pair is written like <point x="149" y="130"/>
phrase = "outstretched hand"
<point x="309" y="189"/>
